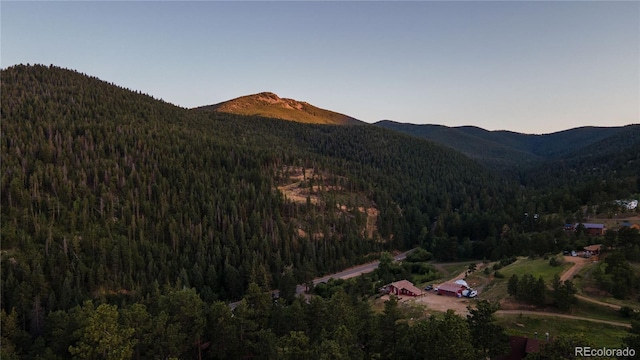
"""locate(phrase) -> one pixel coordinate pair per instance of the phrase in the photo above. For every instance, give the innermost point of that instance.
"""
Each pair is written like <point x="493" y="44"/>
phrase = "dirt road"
<point x="443" y="303"/>
<point x="579" y="263"/>
<point x="613" y="306"/>
<point x="528" y="312"/>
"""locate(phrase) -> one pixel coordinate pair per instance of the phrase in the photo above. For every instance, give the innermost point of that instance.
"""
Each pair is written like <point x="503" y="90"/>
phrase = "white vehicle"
<point x="470" y="293"/>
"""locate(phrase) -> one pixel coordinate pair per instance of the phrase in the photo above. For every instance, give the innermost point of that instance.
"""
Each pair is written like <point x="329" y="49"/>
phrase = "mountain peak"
<point x="270" y="105"/>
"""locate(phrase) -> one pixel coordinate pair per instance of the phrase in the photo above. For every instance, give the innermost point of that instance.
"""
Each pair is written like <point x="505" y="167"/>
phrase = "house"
<point x="451" y="289"/>
<point x="521" y="347"/>
<point x="403" y="287"/>
<point x="593" y="229"/>
<point x="592" y="250"/>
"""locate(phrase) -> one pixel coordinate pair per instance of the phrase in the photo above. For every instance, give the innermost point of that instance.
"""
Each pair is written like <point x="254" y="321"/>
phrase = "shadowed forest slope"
<point x="105" y="190"/>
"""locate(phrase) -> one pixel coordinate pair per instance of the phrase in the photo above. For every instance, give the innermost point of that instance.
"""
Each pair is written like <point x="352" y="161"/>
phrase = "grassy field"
<point x="536" y="267"/>
<point x="447" y="272"/>
<point x="599" y="335"/>
<point x="496" y="288"/>
<point x="456" y="268"/>
<point x="595" y="311"/>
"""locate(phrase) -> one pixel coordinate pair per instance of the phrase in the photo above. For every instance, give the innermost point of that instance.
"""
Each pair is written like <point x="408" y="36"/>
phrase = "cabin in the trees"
<point x="594" y="229"/>
<point x="403" y="287"/>
<point x="521" y="347"/>
<point x="589" y="228"/>
<point x="592" y="250"/>
<point x="451" y="289"/>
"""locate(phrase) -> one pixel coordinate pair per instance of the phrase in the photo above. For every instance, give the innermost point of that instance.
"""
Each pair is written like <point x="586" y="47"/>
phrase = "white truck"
<point x="470" y="293"/>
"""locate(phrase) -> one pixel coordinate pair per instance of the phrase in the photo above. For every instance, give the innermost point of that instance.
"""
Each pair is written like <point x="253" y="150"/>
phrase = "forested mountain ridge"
<point x="509" y="150"/>
<point x="270" y="105"/>
<point x="128" y="216"/>
<point x="108" y="191"/>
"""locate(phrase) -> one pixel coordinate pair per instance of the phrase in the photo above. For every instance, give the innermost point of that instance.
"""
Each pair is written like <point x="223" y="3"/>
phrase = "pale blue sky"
<point x="532" y="67"/>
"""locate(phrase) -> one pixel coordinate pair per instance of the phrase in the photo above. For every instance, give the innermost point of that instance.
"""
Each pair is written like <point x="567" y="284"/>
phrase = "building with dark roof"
<point x="521" y="347"/>
<point x="593" y="229"/>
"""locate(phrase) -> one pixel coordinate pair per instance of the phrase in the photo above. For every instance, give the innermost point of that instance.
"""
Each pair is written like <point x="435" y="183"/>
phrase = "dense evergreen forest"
<point x="119" y="206"/>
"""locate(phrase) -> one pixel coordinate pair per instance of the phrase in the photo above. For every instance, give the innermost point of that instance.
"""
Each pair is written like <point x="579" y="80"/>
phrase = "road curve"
<point x="578" y="264"/>
<point x="529" y="312"/>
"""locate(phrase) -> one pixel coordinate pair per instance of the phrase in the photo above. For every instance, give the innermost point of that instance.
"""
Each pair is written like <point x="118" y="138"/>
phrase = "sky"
<point x="530" y="67"/>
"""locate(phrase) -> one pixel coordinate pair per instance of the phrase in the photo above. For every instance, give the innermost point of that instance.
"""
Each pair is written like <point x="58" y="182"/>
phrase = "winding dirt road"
<point x="579" y="263"/>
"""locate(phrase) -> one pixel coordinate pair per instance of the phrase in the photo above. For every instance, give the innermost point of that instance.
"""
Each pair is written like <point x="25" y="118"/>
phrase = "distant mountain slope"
<point x="497" y="150"/>
<point x="508" y="150"/>
<point x="270" y="105"/>
<point x="614" y="158"/>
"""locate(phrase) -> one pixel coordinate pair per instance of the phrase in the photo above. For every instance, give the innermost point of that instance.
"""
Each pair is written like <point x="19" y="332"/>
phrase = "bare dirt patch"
<point x="306" y="186"/>
<point x="372" y="219"/>
<point x="441" y="303"/>
<point x="298" y="194"/>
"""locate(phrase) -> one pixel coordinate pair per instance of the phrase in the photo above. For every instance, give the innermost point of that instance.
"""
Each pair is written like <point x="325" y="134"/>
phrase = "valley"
<point x="129" y="215"/>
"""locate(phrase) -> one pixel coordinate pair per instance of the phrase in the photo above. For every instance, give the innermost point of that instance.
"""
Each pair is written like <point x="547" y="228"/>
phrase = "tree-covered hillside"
<point x="108" y="191"/>
<point x="126" y="214"/>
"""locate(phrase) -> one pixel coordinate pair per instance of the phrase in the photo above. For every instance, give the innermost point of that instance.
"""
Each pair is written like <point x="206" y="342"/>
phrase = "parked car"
<point x="429" y="287"/>
<point x="469" y="293"/>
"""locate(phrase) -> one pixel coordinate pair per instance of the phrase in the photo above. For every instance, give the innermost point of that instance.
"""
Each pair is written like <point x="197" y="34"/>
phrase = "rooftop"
<point x="406" y="284"/>
<point x="595" y="247"/>
<point x="451" y="287"/>
<point x="592" y="226"/>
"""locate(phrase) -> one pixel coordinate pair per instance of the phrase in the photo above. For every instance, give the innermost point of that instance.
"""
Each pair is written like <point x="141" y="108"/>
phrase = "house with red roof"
<point x="451" y="289"/>
<point x="403" y="287"/>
